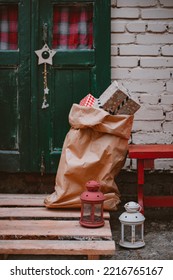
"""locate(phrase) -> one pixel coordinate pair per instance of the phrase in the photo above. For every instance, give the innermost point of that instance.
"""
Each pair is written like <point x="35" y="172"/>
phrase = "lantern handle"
<point x="132" y="207"/>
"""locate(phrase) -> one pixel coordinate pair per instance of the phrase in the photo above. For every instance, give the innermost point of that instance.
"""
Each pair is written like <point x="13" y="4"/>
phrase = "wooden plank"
<point x="51" y="228"/>
<point x="158" y="201"/>
<point x="22" y="195"/>
<point x="57" y="247"/>
<point x="32" y="220"/>
<point x="22" y="199"/>
<point x="151" y="151"/>
<point x="40" y="212"/>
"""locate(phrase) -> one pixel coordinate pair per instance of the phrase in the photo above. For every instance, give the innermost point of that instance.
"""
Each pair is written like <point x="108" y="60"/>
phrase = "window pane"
<point x="8" y="27"/>
<point x="73" y="26"/>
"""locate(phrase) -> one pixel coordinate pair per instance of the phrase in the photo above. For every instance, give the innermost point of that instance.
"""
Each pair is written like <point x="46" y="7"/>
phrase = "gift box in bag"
<point x="116" y="100"/>
<point x="87" y="101"/>
<point x="129" y="107"/>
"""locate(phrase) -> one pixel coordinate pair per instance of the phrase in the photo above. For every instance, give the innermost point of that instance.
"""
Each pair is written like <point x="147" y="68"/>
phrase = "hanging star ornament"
<point x="45" y="55"/>
<point x="46" y="90"/>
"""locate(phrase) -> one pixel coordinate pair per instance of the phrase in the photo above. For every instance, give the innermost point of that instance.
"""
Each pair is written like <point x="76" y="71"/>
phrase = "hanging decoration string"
<point x="46" y="90"/>
<point x="45" y="57"/>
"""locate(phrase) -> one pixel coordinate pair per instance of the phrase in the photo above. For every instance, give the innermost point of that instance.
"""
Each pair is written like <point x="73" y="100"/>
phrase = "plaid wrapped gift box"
<point x="87" y="101"/>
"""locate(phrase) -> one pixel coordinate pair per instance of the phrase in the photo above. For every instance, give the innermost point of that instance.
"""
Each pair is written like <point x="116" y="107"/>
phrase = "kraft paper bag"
<point x="95" y="148"/>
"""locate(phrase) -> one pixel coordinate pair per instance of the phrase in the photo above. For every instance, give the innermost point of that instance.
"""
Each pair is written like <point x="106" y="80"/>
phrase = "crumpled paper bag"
<point x="95" y="148"/>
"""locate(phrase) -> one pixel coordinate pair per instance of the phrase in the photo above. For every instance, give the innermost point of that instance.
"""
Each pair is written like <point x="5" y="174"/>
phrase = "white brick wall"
<point x="142" y="60"/>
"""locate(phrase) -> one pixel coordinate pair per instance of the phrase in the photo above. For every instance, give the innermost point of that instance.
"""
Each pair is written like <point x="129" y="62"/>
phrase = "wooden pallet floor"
<point x="27" y="227"/>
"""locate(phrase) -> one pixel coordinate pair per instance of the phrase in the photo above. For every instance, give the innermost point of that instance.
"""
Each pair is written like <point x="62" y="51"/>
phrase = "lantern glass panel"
<point x="86" y="212"/>
<point x="132" y="233"/>
<point x="138" y="231"/>
<point x="98" y="212"/>
<point x="127" y="233"/>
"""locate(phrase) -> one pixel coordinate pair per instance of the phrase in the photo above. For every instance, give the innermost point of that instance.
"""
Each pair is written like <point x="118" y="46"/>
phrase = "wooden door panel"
<point x="8" y="109"/>
<point x="70" y="86"/>
<point x="14" y="89"/>
<point x="9" y="126"/>
<point x="84" y="57"/>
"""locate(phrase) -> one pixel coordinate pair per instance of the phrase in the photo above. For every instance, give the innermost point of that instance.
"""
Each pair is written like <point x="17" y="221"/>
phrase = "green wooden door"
<point x="14" y="85"/>
<point x="74" y="73"/>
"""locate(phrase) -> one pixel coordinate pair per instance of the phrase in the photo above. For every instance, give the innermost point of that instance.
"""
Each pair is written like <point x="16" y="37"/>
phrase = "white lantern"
<point x="132" y="226"/>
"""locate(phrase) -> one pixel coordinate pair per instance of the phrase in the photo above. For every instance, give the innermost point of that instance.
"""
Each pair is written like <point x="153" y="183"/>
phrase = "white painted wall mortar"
<point x="142" y="61"/>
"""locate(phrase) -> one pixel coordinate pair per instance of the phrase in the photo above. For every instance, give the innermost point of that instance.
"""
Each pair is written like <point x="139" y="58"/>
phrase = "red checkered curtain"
<point x="73" y="27"/>
<point x="8" y="27"/>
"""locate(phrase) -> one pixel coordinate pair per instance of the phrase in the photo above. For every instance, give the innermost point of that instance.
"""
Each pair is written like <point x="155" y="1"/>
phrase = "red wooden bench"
<point x="145" y="156"/>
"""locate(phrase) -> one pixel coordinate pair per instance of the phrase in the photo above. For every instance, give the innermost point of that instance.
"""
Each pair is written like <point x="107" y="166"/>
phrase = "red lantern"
<point x="92" y="206"/>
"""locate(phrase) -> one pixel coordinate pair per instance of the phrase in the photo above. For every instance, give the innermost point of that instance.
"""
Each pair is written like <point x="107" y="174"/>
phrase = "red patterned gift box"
<point x="87" y="101"/>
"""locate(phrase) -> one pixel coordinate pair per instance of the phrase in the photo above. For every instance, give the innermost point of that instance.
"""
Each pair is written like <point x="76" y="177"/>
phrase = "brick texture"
<point x="142" y="61"/>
